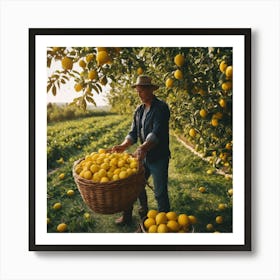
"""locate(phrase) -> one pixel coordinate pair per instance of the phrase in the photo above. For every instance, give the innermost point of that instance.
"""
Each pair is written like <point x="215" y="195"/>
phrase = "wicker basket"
<point x="111" y="197"/>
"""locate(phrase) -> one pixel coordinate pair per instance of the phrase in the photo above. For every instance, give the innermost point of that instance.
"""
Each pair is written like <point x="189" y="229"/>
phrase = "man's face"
<point x="145" y="93"/>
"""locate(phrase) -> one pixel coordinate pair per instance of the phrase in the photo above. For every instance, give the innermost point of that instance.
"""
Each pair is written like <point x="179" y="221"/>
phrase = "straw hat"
<point x="144" y="81"/>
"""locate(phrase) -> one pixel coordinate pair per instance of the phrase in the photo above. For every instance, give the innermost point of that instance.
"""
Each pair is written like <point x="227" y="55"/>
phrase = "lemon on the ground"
<point x="173" y="226"/>
<point x="209" y="171"/>
<point x="57" y="206"/>
<point x="183" y="220"/>
<point x="219" y="219"/>
<point x="169" y="83"/>
<point x="230" y="192"/>
<point x="202" y="189"/>
<point x="67" y="63"/>
<point x="178" y="74"/>
<point x="61" y="176"/>
<point x="192" y="219"/>
<point x="153" y="229"/>
<point x="86" y="215"/>
<point x="70" y="192"/>
<point x="171" y="215"/>
<point x="161" y="218"/>
<point x="162" y="228"/>
<point x="179" y="60"/>
<point x="149" y="222"/>
<point x="61" y="227"/>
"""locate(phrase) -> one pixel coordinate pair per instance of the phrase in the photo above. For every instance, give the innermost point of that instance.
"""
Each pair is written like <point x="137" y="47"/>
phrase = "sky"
<point x="67" y="92"/>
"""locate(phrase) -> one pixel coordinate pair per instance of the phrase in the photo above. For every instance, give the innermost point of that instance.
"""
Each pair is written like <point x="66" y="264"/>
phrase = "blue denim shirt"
<point x="156" y="129"/>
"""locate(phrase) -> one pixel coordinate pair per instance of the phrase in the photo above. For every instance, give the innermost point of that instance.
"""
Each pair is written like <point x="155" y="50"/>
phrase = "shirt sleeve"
<point x="160" y="124"/>
<point x="132" y="135"/>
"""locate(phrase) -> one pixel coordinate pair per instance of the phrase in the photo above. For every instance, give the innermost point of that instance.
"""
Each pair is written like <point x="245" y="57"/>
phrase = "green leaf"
<point x="54" y="90"/>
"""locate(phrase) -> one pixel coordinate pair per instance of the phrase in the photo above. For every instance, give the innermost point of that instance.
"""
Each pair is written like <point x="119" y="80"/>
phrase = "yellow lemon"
<point x="152" y="213"/>
<point x="134" y="164"/>
<point x="209" y="227"/>
<point x="86" y="216"/>
<point x="61" y="176"/>
<point x="89" y="57"/>
<point x="183" y="220"/>
<point x="87" y="174"/>
<point x="227" y="86"/>
<point x="61" y="227"/>
<point x="57" y="206"/>
<point x="149" y="222"/>
<point x="223" y="66"/>
<point x="92" y="75"/>
<point x="173" y="226"/>
<point x="215" y="122"/>
<point x="139" y="71"/>
<point x="153" y="229"/>
<point x="82" y="63"/>
<point x="78" y="87"/>
<point x="96" y="177"/>
<point x="169" y="83"/>
<point x="94" y="168"/>
<point x="192" y="219"/>
<point x="162" y="228"/>
<point x="102" y="173"/>
<point x="228" y="146"/>
<point x="67" y="63"/>
<point x="102" y="57"/>
<point x="192" y="132"/>
<point x="222" y="103"/>
<point x="203" y="113"/>
<point x="123" y="175"/>
<point x="229" y="71"/>
<point x="230" y="192"/>
<point x="101" y="151"/>
<point x="171" y="216"/>
<point x="161" y="218"/>
<point x="219" y="219"/>
<point x="179" y="60"/>
<point x="202" y="189"/>
<point x="178" y="74"/>
<point x="104" y="180"/>
<point x="115" y="177"/>
<point x="222" y="206"/>
<point x="70" y="192"/>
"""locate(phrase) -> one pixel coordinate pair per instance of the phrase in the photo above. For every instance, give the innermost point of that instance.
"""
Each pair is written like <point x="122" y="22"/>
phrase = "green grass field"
<point x="71" y="140"/>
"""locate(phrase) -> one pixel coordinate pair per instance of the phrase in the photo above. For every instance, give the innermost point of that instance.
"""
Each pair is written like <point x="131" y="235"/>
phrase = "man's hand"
<point x="119" y="148"/>
<point x="140" y="153"/>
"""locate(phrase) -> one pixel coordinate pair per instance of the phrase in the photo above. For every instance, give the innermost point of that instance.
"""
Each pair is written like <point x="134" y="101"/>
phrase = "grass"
<point x="187" y="173"/>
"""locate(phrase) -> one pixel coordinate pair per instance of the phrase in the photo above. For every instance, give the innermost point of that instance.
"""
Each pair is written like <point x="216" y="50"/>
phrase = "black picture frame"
<point x="33" y="164"/>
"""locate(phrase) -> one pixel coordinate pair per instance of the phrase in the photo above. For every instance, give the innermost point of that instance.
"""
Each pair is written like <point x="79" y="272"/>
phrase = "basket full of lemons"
<point x="109" y="182"/>
<point x="167" y="222"/>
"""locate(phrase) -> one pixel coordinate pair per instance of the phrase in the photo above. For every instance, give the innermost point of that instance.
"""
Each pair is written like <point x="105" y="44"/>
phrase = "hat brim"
<point x="146" y="85"/>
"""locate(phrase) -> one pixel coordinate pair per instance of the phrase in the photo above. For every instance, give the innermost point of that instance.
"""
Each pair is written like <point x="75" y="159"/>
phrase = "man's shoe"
<point x="121" y="221"/>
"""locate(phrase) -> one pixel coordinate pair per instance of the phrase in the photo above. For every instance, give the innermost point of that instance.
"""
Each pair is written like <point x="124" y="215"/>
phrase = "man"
<point x="151" y="126"/>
